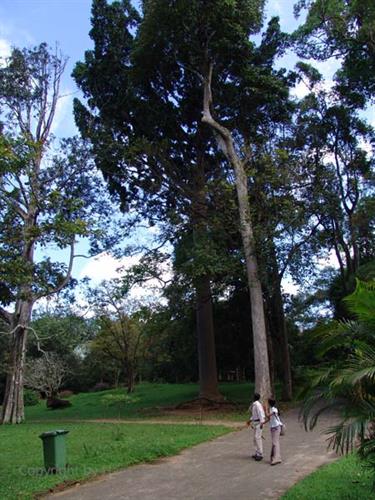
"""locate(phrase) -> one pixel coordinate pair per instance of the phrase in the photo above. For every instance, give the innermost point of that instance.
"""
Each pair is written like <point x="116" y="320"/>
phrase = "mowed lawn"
<point x="92" y="449"/>
<point x="148" y="401"/>
<point x="96" y="448"/>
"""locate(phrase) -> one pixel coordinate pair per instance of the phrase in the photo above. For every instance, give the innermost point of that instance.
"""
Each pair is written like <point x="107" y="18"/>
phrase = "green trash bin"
<point x="54" y="450"/>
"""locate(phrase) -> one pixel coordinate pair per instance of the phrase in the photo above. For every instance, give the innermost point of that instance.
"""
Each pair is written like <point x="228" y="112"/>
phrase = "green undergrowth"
<point x="92" y="449"/>
<point x="345" y="479"/>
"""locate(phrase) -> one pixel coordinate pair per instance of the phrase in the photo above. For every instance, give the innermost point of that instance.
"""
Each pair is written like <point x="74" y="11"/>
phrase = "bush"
<point x="31" y="398"/>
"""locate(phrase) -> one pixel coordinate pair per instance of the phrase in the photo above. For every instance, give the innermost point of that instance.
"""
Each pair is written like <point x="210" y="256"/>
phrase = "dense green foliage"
<point x="347" y="383"/>
<point x="341" y="28"/>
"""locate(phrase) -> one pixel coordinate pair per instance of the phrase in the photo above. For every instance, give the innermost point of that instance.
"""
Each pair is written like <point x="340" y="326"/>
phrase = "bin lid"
<point x="58" y="432"/>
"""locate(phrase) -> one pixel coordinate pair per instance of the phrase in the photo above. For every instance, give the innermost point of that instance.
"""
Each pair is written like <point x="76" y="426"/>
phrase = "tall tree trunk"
<point x="278" y="326"/>
<point x="271" y="353"/>
<point x="279" y="335"/>
<point x="261" y="361"/>
<point x="131" y="380"/>
<point x="286" y="371"/>
<point x="13" y="411"/>
<point x="208" y="383"/>
<point x="225" y="142"/>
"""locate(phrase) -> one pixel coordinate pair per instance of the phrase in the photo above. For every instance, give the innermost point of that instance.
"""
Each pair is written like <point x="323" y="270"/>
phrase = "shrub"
<point x="31" y="398"/>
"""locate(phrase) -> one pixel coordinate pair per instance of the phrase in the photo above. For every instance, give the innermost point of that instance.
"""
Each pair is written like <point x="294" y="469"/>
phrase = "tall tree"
<point x="211" y="41"/>
<point x="338" y="145"/>
<point x="158" y="113"/>
<point x="152" y="149"/>
<point x="45" y="199"/>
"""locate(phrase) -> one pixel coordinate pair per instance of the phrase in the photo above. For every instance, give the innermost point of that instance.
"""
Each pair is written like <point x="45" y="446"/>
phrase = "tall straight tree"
<point x="145" y="123"/>
<point x="211" y="40"/>
<point x="46" y="198"/>
<point x="154" y="152"/>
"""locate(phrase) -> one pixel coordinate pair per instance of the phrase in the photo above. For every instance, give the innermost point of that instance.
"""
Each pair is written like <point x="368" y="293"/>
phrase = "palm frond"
<point x="362" y="301"/>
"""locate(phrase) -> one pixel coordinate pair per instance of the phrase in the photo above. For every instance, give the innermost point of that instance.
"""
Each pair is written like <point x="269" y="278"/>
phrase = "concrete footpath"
<point x="219" y="470"/>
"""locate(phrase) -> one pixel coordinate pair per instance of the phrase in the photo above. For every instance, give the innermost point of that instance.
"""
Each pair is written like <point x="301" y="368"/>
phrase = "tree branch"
<point x="6" y="316"/>
<point x="65" y="281"/>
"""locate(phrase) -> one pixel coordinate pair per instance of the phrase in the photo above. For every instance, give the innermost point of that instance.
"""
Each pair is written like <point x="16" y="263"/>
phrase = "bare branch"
<point x="65" y="281"/>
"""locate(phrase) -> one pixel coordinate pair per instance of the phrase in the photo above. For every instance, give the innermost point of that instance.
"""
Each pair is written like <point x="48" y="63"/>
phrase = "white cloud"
<point x="327" y="68"/>
<point x="106" y="267"/>
<point x="5" y="48"/>
<point x="289" y="287"/>
<point x="369" y="115"/>
<point x="63" y="123"/>
<point x="329" y="261"/>
<point x="274" y="7"/>
<point x="300" y="90"/>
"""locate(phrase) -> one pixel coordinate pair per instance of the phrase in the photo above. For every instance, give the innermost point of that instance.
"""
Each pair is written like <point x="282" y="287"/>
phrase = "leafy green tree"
<point x="120" y="335"/>
<point x="60" y="331"/>
<point x="165" y="59"/>
<point x="164" y="160"/>
<point x="337" y="145"/>
<point x="341" y="29"/>
<point x="47" y="198"/>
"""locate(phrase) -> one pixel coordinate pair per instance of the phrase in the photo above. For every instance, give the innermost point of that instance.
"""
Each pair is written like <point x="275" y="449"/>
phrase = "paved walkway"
<point x="218" y="470"/>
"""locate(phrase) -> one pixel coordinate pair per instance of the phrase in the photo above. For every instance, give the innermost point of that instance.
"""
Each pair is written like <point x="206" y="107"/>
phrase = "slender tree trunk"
<point x="271" y="353"/>
<point x="281" y="334"/>
<point x="13" y="411"/>
<point x="208" y="384"/>
<point x="278" y="326"/>
<point x="261" y="361"/>
<point x="225" y="142"/>
<point x="130" y="379"/>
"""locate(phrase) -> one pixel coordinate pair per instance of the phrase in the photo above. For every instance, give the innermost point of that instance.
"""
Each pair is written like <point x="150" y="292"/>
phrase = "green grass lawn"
<point x="147" y="402"/>
<point x="92" y="449"/>
<point x="346" y="479"/>
<point x="95" y="448"/>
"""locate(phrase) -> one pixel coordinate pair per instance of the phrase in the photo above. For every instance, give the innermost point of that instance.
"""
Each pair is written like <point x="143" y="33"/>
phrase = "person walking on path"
<point x="275" y="426"/>
<point x="257" y="420"/>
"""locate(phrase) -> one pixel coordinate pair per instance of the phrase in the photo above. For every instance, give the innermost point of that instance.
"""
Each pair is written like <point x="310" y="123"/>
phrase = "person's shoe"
<point x="275" y="463"/>
<point x="258" y="458"/>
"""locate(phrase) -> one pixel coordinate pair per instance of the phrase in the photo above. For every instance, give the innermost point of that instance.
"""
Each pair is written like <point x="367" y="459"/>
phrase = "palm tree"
<point x="347" y="385"/>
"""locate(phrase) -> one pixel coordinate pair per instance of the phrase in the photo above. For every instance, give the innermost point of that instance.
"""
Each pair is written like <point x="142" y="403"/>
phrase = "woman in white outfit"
<point x="275" y="426"/>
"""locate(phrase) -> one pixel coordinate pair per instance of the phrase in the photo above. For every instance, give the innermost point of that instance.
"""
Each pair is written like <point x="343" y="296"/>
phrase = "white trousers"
<point x="275" y="450"/>
<point x="258" y="440"/>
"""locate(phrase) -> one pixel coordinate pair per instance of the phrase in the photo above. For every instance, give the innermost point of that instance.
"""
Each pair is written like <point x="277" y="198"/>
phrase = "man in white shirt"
<point x="257" y="420"/>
